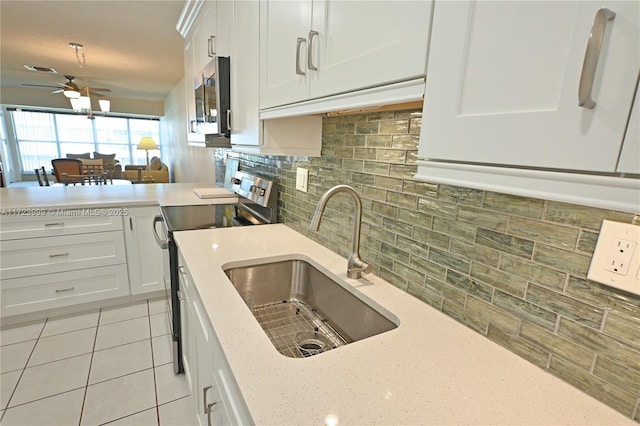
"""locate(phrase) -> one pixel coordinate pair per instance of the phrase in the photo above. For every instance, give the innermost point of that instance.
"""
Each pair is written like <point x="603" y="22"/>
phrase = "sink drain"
<point x="311" y="343"/>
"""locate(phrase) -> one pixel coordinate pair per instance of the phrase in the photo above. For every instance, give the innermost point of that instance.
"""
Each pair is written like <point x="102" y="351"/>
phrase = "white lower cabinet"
<point x="144" y="256"/>
<point x="216" y="397"/>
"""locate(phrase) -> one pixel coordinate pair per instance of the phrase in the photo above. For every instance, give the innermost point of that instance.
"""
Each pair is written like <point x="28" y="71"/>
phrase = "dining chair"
<point x="67" y="170"/>
<point x="41" y="176"/>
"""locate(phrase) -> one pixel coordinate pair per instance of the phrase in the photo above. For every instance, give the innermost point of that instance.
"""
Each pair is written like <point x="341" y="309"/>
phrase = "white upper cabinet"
<point x="311" y="50"/>
<point x="630" y="155"/>
<point x="504" y="82"/>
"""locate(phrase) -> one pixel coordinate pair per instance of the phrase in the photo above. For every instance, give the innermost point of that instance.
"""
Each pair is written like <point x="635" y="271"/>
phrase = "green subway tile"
<point x="355" y="140"/>
<point x="455" y="311"/>
<point x="426" y="294"/>
<point x="394" y="126"/>
<point x="475" y="252"/>
<point x="376" y="167"/>
<point x="454" y="228"/>
<point x="505" y="243"/>
<point x="619" y="399"/>
<point x="384" y="209"/>
<point x="603" y="296"/>
<point x="379" y="141"/>
<point x="393" y="278"/>
<point x="412" y="157"/>
<point x="469" y="285"/>
<point x="364" y="153"/>
<point x="331" y="141"/>
<point x="623" y="328"/>
<point x="484" y="314"/>
<point x="430" y="237"/>
<point x="372" y="193"/>
<point x="414" y="217"/>
<point x="340" y="152"/>
<point x="483" y="218"/>
<point x="437" y="208"/>
<point x="345" y="128"/>
<point x="377" y="116"/>
<point x="497" y="279"/>
<point x="512" y="204"/>
<point x="450" y="293"/>
<point x="587" y="241"/>
<point x="405" y="171"/>
<point x="556" y="345"/>
<point x="408" y="273"/>
<point x="328" y="127"/>
<point x="547" y="233"/>
<point x="392" y="184"/>
<point x="367" y="127"/>
<point x="625" y="376"/>
<point x="355" y="165"/>
<point x="362" y="178"/>
<point x="333" y="163"/>
<point x="408" y="113"/>
<point x="414" y="247"/>
<point x="532" y="272"/>
<point x="382" y="261"/>
<point x="565" y="306"/>
<point x="420" y="188"/>
<point x="459" y="195"/>
<point x="564" y="260"/>
<point x="415" y="124"/>
<point x="525" y="310"/>
<point x="518" y="346"/>
<point x="583" y="216"/>
<point x="381" y="234"/>
<point x="430" y="269"/>
<point x="402" y="200"/>
<point x="395" y="253"/>
<point x="369" y="217"/>
<point x="392" y="155"/>
<point x="396" y="227"/>
<point x="409" y="142"/>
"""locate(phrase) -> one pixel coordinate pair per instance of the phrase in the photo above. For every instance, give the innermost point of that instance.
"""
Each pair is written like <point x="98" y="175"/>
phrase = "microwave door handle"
<point x="229" y="120"/>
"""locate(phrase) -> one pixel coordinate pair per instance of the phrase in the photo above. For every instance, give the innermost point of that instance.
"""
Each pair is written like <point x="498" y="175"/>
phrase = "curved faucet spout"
<point x="355" y="265"/>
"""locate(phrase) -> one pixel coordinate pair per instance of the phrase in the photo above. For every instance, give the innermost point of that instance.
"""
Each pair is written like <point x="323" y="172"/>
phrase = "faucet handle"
<point x="356" y="267"/>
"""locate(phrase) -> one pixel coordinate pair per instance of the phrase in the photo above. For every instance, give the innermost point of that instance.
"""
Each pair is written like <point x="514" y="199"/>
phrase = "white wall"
<point x="186" y="163"/>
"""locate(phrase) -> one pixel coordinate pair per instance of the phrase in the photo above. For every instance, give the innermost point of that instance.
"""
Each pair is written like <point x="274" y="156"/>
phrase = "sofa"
<point x="158" y="172"/>
<point x="109" y="162"/>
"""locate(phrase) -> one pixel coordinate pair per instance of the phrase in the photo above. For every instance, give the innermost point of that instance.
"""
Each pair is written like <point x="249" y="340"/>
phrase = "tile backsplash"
<point x="511" y="268"/>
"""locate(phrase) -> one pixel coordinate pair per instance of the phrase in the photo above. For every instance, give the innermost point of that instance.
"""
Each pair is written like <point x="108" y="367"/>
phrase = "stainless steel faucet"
<point x="355" y="265"/>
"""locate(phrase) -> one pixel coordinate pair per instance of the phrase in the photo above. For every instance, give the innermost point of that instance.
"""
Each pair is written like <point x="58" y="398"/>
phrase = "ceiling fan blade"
<point x="58" y="91"/>
<point x="40" y="85"/>
<point x="99" y="89"/>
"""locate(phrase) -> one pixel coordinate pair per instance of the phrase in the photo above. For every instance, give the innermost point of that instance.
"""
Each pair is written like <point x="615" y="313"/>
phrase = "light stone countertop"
<point x="430" y="370"/>
<point x="93" y="196"/>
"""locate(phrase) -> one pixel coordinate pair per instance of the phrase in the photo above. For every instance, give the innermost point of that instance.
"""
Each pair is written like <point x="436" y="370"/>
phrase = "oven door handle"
<point x="164" y="244"/>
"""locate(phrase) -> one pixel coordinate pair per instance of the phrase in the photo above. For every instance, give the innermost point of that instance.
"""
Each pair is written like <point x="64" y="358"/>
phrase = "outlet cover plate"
<point x="616" y="259"/>
<point x="302" y="179"/>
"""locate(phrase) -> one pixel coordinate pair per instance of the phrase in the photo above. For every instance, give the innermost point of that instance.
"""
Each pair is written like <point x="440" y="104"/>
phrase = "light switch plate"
<point x="616" y="259"/>
<point x="302" y="179"/>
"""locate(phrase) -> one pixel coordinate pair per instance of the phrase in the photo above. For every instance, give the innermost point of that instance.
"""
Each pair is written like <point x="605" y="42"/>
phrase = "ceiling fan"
<point x="71" y="89"/>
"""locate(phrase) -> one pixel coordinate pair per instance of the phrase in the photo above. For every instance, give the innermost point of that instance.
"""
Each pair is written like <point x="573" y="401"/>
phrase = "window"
<point x="42" y="136"/>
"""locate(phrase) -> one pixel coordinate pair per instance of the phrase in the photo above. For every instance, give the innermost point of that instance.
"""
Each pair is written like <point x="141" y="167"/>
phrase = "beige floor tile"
<point x="120" y="360"/>
<point x="145" y="418"/>
<point x="162" y="350"/>
<point x="178" y="413"/>
<point x="15" y="357"/>
<point x="22" y="333"/>
<point x="60" y="346"/>
<point x="159" y="324"/>
<point x="170" y="386"/>
<point x="8" y="382"/>
<point x="123" y="332"/>
<point x="51" y="379"/>
<point x="118" y="398"/>
<point x="157" y="306"/>
<point x="122" y="313"/>
<point x="62" y="409"/>
<point x="69" y="323"/>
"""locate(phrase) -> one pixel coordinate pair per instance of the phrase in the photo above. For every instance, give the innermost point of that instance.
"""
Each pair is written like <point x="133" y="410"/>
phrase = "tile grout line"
<point x="153" y="363"/>
<point x="86" y="388"/>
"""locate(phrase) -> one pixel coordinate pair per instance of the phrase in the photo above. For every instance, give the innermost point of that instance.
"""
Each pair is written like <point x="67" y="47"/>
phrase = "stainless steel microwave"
<point x="213" y="100"/>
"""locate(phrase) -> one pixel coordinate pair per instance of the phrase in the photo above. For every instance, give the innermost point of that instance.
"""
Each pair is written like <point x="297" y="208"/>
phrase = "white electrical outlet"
<point x="616" y="259"/>
<point x="302" y="179"/>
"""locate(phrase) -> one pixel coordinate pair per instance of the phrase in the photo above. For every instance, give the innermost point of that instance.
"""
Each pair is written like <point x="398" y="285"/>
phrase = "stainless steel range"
<point x="257" y="199"/>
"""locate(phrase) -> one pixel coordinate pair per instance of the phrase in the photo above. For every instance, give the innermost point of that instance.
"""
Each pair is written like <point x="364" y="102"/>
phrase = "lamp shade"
<point x="105" y="105"/>
<point x="147" y="142"/>
<point x="71" y="93"/>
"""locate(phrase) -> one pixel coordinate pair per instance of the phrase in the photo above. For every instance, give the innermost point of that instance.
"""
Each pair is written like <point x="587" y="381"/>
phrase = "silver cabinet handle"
<point x="298" y="44"/>
<point x="204" y="398"/>
<point x="312" y="35"/>
<point x="182" y="270"/>
<point x="591" y="57"/>
<point x="181" y="295"/>
<point x="164" y="244"/>
<point x="211" y="52"/>
<point x="60" y="290"/>
<point x="54" y="224"/>
<point x="209" y="410"/>
<point x="59" y="254"/>
<point x="229" y="120"/>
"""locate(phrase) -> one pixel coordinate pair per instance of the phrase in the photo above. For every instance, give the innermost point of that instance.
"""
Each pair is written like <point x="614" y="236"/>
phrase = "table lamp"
<point x="147" y="143"/>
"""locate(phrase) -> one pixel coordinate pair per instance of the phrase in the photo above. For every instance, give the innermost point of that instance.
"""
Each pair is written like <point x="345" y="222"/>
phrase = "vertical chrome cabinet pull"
<point x="312" y="35"/>
<point x="59" y="255"/>
<point x="209" y="411"/>
<point x="229" y="120"/>
<point x="211" y="52"/>
<point x="60" y="290"/>
<point x="54" y="224"/>
<point x="204" y="398"/>
<point x="591" y="57"/>
<point x="298" y="44"/>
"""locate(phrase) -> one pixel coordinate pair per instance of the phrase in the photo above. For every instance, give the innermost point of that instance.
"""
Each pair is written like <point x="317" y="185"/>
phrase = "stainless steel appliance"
<point x="256" y="205"/>
<point x="213" y="102"/>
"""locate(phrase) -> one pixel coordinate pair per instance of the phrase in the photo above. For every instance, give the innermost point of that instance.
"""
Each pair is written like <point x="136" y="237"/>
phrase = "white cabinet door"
<point x="284" y="27"/>
<point x="144" y="256"/>
<point x="224" y="27"/>
<point x="192" y="136"/>
<point x="503" y="77"/>
<point x="630" y="155"/>
<point x="366" y="44"/>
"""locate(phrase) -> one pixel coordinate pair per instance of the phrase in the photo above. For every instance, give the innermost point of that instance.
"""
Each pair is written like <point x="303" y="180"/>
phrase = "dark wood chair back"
<point x="41" y="176"/>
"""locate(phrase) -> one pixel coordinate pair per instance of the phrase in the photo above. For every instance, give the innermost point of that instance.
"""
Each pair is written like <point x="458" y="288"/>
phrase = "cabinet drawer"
<point x="36" y="256"/>
<point x="33" y="223"/>
<point x="31" y="294"/>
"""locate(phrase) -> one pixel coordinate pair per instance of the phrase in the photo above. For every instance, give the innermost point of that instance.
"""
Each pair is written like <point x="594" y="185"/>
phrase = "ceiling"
<point x="130" y="47"/>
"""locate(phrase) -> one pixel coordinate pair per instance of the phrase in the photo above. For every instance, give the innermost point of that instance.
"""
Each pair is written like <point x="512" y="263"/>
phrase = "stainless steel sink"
<point x="304" y="311"/>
